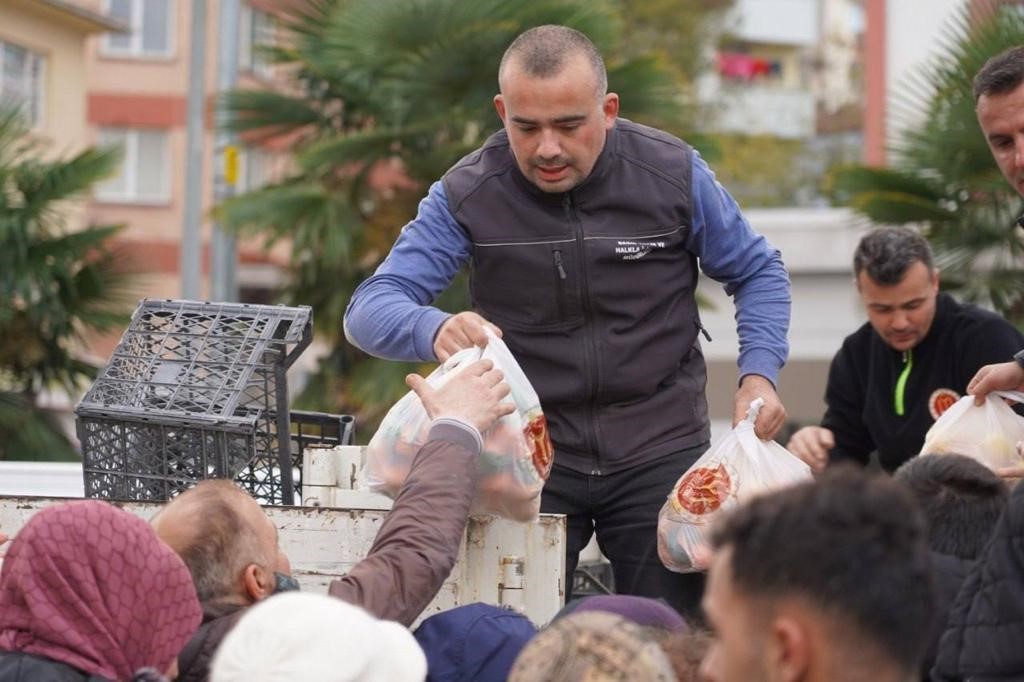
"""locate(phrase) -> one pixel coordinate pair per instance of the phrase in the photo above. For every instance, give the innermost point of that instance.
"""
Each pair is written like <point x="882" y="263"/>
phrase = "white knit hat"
<point x="302" y="636"/>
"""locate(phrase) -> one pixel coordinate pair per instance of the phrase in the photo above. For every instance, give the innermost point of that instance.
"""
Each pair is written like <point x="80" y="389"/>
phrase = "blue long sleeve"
<point x="751" y="269"/>
<point x="390" y="315"/>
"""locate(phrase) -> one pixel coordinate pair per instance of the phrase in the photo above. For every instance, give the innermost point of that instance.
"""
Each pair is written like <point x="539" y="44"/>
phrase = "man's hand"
<point x="473" y="395"/>
<point x="812" y="444"/>
<point x="772" y="415"/>
<point x="1005" y="376"/>
<point x="3" y="539"/>
<point x="461" y="331"/>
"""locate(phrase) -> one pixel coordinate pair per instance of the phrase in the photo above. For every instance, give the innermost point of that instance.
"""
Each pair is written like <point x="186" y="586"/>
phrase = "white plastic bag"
<point x="987" y="432"/>
<point x="517" y="455"/>
<point x="734" y="470"/>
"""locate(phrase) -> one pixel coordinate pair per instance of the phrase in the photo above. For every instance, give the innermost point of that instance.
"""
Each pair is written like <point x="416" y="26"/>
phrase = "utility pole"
<point x="192" y="237"/>
<point x="224" y="286"/>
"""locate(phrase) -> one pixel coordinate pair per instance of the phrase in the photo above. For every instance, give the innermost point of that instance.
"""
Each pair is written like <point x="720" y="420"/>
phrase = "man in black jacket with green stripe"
<point x="914" y="357"/>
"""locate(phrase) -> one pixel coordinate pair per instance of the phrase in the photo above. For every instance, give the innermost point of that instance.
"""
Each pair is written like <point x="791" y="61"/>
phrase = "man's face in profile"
<point x="1001" y="117"/>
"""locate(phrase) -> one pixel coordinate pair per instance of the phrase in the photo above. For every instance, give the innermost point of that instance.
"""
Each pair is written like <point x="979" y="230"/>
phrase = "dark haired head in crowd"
<point x="88" y="588"/>
<point x="899" y="284"/>
<point x="961" y="500"/>
<point x="828" y="580"/>
<point x="886" y="253"/>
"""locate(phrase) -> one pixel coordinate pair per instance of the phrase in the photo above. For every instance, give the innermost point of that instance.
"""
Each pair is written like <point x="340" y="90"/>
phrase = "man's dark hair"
<point x="1000" y="74"/>
<point x="542" y="51"/>
<point x="851" y="545"/>
<point x="961" y="500"/>
<point x="886" y="253"/>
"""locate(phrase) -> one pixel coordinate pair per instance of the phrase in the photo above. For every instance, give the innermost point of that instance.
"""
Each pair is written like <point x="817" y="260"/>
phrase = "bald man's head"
<point x="221" y="534"/>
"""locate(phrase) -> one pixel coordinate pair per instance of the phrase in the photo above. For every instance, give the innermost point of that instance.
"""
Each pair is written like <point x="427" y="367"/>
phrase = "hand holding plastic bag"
<point x="734" y="470"/>
<point x="987" y="432"/>
<point x="517" y="454"/>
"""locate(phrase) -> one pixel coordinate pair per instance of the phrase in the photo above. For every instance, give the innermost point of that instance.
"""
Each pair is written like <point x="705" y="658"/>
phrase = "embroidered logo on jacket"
<point x="941" y="400"/>
<point x="632" y="250"/>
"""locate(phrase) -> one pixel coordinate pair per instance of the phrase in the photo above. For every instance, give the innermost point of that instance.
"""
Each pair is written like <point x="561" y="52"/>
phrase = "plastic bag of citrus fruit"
<point x="738" y="467"/>
<point x="517" y="454"/>
<point x="987" y="432"/>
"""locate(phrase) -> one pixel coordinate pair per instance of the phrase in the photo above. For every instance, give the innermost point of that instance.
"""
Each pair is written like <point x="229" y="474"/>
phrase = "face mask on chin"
<point x="285" y="583"/>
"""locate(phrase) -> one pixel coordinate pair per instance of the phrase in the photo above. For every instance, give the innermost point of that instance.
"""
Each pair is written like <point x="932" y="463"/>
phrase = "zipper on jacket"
<point x="901" y="383"/>
<point x="589" y="347"/>
<point x="560" y="273"/>
<point x="701" y="329"/>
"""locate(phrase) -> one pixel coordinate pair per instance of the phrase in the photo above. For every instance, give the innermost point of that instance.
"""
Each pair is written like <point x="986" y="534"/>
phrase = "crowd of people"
<point x="888" y="565"/>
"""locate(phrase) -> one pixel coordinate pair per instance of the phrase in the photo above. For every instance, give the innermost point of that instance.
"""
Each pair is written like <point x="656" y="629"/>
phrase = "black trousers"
<point x="622" y="508"/>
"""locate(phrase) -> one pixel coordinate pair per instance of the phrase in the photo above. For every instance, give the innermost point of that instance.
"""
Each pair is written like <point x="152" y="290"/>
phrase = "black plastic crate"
<point x="195" y="390"/>
<point x="307" y="429"/>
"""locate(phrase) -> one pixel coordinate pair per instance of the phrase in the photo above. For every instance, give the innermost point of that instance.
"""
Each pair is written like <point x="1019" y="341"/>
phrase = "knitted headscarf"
<point x="593" y="647"/>
<point x="89" y="585"/>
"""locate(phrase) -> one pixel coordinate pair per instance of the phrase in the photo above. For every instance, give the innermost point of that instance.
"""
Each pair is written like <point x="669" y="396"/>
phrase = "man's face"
<point x="1002" y="121"/>
<point x="737" y="652"/>
<point x="901" y="313"/>
<point x="556" y="126"/>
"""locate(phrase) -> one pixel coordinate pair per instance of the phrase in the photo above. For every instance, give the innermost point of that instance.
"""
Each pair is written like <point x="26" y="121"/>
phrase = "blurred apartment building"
<point x="137" y="97"/>
<point x="117" y="72"/>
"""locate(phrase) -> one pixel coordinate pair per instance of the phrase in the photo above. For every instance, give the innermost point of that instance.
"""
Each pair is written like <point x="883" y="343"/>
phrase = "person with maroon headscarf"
<point x="88" y="592"/>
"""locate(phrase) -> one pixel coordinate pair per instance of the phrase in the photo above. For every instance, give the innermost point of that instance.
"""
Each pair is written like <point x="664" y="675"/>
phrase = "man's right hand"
<point x="812" y="444"/>
<point x="473" y="396"/>
<point x="461" y="331"/>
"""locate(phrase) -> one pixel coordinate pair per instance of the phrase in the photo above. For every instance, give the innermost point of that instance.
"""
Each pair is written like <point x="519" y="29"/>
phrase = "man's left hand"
<point x="772" y="415"/>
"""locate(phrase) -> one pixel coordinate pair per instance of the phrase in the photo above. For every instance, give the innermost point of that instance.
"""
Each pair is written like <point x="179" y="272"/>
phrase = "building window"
<point x="256" y="33"/>
<point x="256" y="169"/>
<point x="145" y="173"/>
<point x="21" y="80"/>
<point x="150" y="24"/>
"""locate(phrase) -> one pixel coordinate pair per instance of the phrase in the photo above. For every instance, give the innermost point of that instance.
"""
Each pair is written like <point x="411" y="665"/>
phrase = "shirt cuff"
<point x="457" y="431"/>
<point x="424" y="330"/>
<point x="763" y="363"/>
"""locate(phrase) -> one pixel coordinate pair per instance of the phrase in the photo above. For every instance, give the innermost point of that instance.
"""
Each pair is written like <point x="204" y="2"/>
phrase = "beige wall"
<point x="64" y="102"/>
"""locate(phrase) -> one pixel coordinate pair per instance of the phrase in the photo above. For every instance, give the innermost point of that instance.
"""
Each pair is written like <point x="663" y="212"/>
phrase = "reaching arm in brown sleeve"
<point x="417" y="545"/>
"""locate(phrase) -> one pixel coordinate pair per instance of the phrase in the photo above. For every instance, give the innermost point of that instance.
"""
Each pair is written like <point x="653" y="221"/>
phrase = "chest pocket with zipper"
<point x="528" y="284"/>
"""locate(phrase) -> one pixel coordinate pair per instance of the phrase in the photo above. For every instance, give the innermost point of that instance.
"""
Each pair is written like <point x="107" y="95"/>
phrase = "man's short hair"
<point x="886" y="253"/>
<point x="218" y="541"/>
<point x="961" y="500"/>
<point x="1000" y="74"/>
<point x="849" y="545"/>
<point x="543" y="50"/>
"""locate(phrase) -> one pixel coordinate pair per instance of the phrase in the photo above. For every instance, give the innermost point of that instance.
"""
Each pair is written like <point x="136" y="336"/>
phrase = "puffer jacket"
<point x="984" y="637"/>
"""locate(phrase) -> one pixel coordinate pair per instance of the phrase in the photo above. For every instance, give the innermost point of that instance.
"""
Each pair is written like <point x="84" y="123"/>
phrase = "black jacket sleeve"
<point x="844" y="396"/>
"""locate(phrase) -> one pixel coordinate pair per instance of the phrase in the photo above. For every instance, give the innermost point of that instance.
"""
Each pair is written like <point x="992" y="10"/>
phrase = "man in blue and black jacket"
<point x="584" y="233"/>
<point x="908" y="363"/>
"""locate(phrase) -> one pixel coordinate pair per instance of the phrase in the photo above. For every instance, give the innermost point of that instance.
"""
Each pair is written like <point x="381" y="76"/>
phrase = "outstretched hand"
<point x="474" y="395"/>
<point x="812" y="444"/>
<point x="1005" y="376"/>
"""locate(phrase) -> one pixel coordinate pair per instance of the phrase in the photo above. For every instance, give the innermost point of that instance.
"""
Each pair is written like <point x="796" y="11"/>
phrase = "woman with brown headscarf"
<point x="88" y="592"/>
